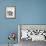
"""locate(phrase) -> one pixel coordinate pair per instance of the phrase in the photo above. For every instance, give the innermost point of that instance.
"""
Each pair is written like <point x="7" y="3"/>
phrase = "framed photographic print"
<point x="10" y="12"/>
<point x="32" y="32"/>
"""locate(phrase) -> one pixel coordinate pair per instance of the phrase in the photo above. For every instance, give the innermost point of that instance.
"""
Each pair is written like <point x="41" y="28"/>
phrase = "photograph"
<point x="10" y="12"/>
<point x="29" y="34"/>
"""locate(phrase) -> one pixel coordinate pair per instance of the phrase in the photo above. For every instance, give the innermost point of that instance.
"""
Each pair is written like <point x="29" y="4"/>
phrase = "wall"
<point x="31" y="11"/>
<point x="27" y="12"/>
<point x="6" y="25"/>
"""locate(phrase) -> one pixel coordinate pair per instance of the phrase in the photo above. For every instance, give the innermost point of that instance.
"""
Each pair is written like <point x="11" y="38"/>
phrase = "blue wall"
<point x="6" y="25"/>
<point x="31" y="11"/>
<point x="27" y="12"/>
